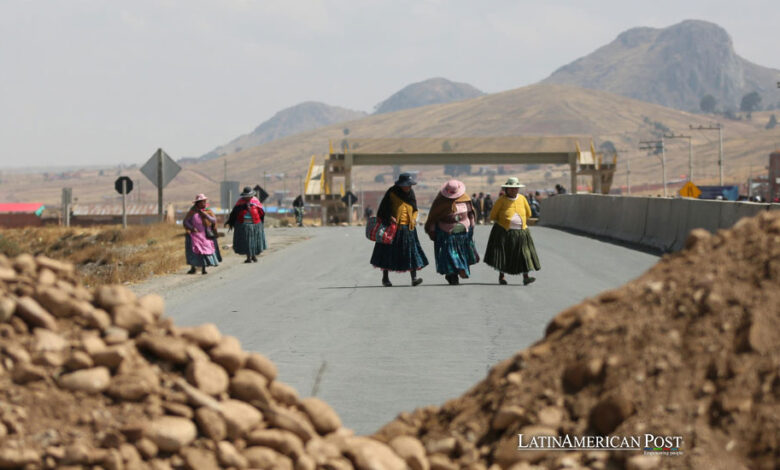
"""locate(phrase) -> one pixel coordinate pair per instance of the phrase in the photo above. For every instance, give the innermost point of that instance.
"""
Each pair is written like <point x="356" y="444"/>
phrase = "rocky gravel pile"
<point x="100" y="379"/>
<point x="689" y="349"/>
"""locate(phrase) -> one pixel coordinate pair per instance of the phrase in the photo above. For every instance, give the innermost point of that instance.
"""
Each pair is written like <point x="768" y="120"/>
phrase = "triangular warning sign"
<point x="690" y="190"/>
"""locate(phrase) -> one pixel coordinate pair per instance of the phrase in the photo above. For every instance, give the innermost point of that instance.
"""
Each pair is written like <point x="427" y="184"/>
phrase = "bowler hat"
<point x="248" y="192"/>
<point x="405" y="179"/>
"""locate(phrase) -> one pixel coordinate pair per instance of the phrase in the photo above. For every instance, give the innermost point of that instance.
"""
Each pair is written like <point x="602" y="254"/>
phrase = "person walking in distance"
<point x="246" y="220"/>
<point x="510" y="248"/>
<point x="487" y="206"/>
<point x="201" y="245"/>
<point x="399" y="205"/>
<point x="450" y="225"/>
<point x="298" y="208"/>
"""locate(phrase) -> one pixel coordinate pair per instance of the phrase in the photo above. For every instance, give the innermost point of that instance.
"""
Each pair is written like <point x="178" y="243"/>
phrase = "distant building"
<point x="21" y="214"/>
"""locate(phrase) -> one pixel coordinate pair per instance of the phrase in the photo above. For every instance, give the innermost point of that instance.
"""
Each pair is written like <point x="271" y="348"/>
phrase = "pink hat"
<point x="453" y="189"/>
<point x="201" y="197"/>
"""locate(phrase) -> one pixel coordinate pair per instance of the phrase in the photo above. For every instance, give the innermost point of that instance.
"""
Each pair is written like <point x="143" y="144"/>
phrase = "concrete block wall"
<point x="653" y="222"/>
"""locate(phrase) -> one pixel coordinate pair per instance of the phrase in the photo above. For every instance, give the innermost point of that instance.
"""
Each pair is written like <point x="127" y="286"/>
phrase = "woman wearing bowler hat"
<point x="450" y="225"/>
<point x="510" y="248"/>
<point x="247" y="219"/>
<point x="399" y="205"/>
<point x="200" y="250"/>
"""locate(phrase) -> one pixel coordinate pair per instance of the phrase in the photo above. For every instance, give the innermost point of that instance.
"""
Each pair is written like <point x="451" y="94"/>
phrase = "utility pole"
<point x="719" y="128"/>
<point x="690" y="152"/>
<point x="655" y="145"/>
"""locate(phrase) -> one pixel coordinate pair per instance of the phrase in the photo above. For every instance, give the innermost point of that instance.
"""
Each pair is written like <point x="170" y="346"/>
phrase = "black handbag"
<point x="211" y="234"/>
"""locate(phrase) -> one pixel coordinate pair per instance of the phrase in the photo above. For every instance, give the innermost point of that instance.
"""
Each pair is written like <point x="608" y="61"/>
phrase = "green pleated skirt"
<point x="511" y="251"/>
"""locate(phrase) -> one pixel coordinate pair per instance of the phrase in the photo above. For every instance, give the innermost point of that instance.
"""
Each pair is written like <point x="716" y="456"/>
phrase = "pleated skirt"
<point x="454" y="252"/>
<point x="249" y="239"/>
<point x="404" y="254"/>
<point x="511" y="251"/>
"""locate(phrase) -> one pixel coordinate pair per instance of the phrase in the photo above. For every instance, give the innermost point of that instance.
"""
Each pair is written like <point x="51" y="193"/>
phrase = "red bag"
<point x="378" y="232"/>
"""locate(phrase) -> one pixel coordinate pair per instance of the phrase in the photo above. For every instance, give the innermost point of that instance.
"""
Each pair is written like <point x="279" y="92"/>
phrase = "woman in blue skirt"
<point x="399" y="205"/>
<point x="450" y="225"/>
<point x="246" y="219"/>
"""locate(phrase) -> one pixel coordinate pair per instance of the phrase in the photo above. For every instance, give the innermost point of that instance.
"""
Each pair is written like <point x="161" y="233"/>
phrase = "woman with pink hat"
<point x="201" y="251"/>
<point x="450" y="225"/>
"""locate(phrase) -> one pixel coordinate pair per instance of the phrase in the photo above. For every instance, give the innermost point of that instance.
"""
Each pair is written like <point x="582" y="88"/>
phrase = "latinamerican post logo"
<point x="649" y="443"/>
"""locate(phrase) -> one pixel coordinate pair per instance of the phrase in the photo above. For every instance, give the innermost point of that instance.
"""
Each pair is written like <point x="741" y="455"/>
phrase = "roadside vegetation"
<point x="103" y="254"/>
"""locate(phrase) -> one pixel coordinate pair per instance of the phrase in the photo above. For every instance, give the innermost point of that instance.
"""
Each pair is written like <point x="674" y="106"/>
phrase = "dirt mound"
<point x="98" y="378"/>
<point x="689" y="349"/>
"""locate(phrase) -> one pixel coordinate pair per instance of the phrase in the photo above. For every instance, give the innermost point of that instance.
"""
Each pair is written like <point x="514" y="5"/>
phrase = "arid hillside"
<point x="534" y="110"/>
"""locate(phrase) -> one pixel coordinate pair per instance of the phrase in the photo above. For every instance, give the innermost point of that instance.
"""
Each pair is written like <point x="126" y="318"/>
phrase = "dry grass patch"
<point x="104" y="254"/>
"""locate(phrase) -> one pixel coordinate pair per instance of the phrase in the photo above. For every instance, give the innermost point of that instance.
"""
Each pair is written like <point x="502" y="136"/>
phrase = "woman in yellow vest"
<point x="399" y="205"/>
<point x="510" y="248"/>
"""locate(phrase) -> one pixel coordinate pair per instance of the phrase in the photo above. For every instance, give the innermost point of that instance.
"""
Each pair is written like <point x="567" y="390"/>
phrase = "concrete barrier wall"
<point x="659" y="223"/>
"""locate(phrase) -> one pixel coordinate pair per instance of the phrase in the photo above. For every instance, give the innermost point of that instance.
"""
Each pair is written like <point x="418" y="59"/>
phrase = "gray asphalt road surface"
<point x="317" y="309"/>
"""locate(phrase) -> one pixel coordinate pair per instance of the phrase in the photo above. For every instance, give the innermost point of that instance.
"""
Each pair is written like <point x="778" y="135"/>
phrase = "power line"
<point x="655" y="145"/>
<point x="719" y="128"/>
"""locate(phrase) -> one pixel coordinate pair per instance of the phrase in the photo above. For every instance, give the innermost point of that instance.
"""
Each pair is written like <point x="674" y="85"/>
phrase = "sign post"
<point x="67" y="199"/>
<point x="123" y="186"/>
<point x="160" y="169"/>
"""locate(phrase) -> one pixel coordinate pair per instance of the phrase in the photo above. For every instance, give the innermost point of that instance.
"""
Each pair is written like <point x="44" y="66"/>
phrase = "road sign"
<point x="690" y="190"/>
<point x="262" y="194"/>
<point x="128" y="184"/>
<point x="228" y="194"/>
<point x="151" y="168"/>
<point x="349" y="198"/>
<point x="160" y="169"/>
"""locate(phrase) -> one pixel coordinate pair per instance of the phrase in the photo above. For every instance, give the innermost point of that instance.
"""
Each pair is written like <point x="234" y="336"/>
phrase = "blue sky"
<point x="104" y="82"/>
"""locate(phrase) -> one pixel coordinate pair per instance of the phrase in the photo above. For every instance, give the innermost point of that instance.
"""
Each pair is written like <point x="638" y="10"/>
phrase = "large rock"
<point x="321" y="415"/>
<point x="165" y="347"/>
<point x="132" y="318"/>
<point x="56" y="301"/>
<point x="206" y="336"/>
<point x="171" y="433"/>
<point x="267" y="459"/>
<point x="610" y="412"/>
<point x="228" y="354"/>
<point x="248" y="385"/>
<point x="209" y="377"/>
<point x="94" y="380"/>
<point x="369" y="454"/>
<point x="228" y="456"/>
<point x="210" y="423"/>
<point x="153" y="303"/>
<point x="279" y="440"/>
<point x="18" y="457"/>
<point x="199" y="459"/>
<point x="48" y="341"/>
<point x="412" y="451"/>
<point x="24" y="373"/>
<point x="240" y="417"/>
<point x="112" y="296"/>
<point x="34" y="315"/>
<point x="259" y="363"/>
<point x="284" y="393"/>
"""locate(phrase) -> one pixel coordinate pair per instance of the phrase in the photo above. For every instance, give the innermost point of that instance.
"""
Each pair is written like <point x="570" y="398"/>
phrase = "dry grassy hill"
<point x="534" y="110"/>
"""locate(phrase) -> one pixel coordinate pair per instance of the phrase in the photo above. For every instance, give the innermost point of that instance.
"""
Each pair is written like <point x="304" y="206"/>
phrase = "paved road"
<point x="317" y="310"/>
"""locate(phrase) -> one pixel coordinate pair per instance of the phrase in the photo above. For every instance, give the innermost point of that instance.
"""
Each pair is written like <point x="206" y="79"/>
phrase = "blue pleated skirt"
<point x="404" y="254"/>
<point x="249" y="239"/>
<point x="454" y="252"/>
